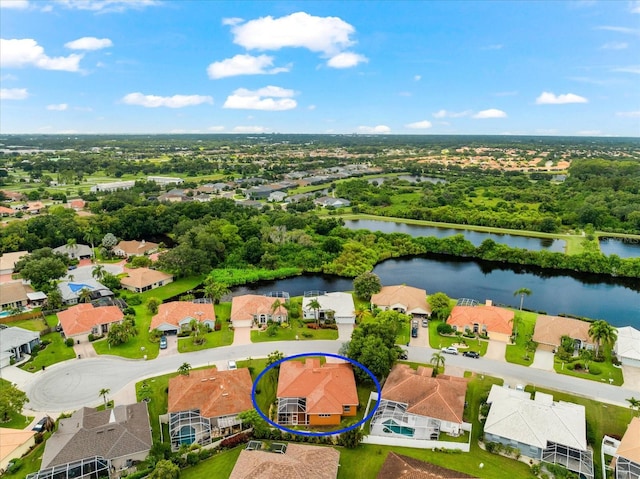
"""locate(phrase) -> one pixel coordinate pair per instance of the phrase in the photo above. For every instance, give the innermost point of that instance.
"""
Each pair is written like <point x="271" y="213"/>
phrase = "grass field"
<point x="219" y="465"/>
<point x="54" y="352"/>
<point x="16" y="421"/>
<point x="214" y="339"/>
<point x="438" y="342"/>
<point x="296" y="331"/>
<point x="517" y="353"/>
<point x="608" y="373"/>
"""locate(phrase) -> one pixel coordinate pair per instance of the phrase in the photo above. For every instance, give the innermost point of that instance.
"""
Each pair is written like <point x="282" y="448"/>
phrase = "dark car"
<point x="163" y="342"/>
<point x="471" y="354"/>
<point x="39" y="426"/>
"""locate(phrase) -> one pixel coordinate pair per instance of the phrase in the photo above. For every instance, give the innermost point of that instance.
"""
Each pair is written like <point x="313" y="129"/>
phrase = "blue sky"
<point x="412" y="67"/>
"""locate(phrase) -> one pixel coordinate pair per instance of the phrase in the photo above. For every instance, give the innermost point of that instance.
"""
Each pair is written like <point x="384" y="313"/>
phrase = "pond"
<point x="616" y="300"/>
<point x="476" y="237"/>
<point x="623" y="247"/>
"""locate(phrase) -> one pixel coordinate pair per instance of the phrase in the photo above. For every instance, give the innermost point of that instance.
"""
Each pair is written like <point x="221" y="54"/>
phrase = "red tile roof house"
<point x="404" y="299"/>
<point x="83" y="319"/>
<point x="176" y="316"/>
<point x="397" y="466"/>
<point x="134" y="248"/>
<point x="315" y="395"/>
<point x="297" y="461"/>
<point x="415" y="405"/>
<point x="206" y="404"/>
<point x="549" y="330"/>
<point x="140" y="280"/>
<point x="496" y="322"/>
<point x="253" y="308"/>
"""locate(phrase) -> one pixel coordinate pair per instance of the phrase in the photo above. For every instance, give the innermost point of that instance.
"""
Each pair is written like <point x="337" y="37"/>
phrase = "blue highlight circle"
<point x="308" y="433"/>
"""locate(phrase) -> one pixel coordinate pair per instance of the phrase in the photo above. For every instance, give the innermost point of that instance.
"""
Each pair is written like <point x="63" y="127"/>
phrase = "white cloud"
<point x="346" y="60"/>
<point x="417" y="77"/>
<point x="232" y="21"/>
<point x="630" y="69"/>
<point x="590" y="133"/>
<point x="549" y="98"/>
<point x="378" y="129"/>
<point x="250" y="129"/>
<point x="24" y="52"/>
<point x="626" y="30"/>
<point x="634" y="6"/>
<point x="419" y="125"/>
<point x="629" y="114"/>
<point x="13" y="93"/>
<point x="490" y="113"/>
<point x="216" y="128"/>
<point x="244" y="65"/>
<point x="15" y="4"/>
<point x="269" y="98"/>
<point x="175" y="101"/>
<point x="89" y="43"/>
<point x="59" y="107"/>
<point x="451" y="114"/>
<point x="328" y="35"/>
<point x="614" y="46"/>
<point x="107" y="6"/>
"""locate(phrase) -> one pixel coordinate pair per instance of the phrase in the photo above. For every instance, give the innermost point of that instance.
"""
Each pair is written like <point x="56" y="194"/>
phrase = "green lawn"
<point x="606" y="370"/>
<point x="266" y="388"/>
<point x="30" y="324"/>
<point x="219" y="465"/>
<point x="16" y="421"/>
<point x="438" y="342"/>
<point x="296" y="330"/>
<point x="214" y="339"/>
<point x="30" y="463"/>
<point x="140" y="345"/>
<point x="517" y="353"/>
<point x="54" y="352"/>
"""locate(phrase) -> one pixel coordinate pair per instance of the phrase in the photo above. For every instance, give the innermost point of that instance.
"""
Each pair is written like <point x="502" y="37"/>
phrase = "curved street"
<point x="73" y="384"/>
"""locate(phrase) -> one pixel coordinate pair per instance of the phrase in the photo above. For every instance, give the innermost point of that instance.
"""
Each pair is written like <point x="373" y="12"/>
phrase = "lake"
<point x="623" y="247"/>
<point x="476" y="237"/>
<point x="616" y="300"/>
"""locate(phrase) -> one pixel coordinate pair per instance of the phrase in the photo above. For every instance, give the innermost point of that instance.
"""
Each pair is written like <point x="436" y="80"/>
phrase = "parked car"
<point x="471" y="354"/>
<point x="414" y="329"/>
<point x="450" y="350"/>
<point x="39" y="426"/>
<point x="231" y="365"/>
<point x="163" y="342"/>
<point x="425" y="323"/>
<point x="403" y="355"/>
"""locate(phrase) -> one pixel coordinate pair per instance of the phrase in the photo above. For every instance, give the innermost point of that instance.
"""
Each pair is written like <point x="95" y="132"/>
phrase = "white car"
<point x="450" y="350"/>
<point x="231" y="365"/>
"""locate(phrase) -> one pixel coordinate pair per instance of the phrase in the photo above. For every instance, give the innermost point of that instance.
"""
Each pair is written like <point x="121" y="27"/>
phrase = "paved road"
<point x="72" y="384"/>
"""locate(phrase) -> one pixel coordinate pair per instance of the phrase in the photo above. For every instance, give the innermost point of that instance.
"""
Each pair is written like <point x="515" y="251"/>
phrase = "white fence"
<point x="416" y="443"/>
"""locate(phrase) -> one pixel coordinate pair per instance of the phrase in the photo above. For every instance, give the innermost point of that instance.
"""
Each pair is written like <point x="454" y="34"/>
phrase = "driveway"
<point x="543" y="360"/>
<point x="85" y="350"/>
<point x="241" y="336"/>
<point x="631" y="377"/>
<point x="344" y="332"/>
<point x="172" y="346"/>
<point x="496" y="350"/>
<point x="423" y="338"/>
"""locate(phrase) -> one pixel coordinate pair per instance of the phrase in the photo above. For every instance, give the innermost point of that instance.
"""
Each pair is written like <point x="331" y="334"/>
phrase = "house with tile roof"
<point x="415" y="405"/>
<point x="314" y="394"/>
<point x="176" y="316"/>
<point x="626" y="462"/>
<point x="337" y="304"/>
<point x="4" y="211"/>
<point x="549" y="331"/>
<point x="76" y="251"/>
<point x="140" y="280"/>
<point x="72" y="290"/>
<point x="297" y="461"/>
<point x="397" y="466"/>
<point x="135" y="248"/>
<point x="14" y="443"/>
<point x="250" y="309"/>
<point x="540" y="428"/>
<point x="83" y="319"/>
<point x="115" y="439"/>
<point x="487" y="319"/>
<point x="206" y="403"/>
<point x="404" y="299"/>
<point x="627" y="346"/>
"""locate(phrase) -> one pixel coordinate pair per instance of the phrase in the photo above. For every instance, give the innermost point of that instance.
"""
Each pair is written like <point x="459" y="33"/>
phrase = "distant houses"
<point x="80" y="321"/>
<point x="75" y="251"/>
<point x="127" y="249"/>
<point x="8" y="261"/>
<point x="404" y="299"/>
<point x="489" y="320"/>
<point x="250" y="309"/>
<point x="176" y="316"/>
<point x="140" y="280"/>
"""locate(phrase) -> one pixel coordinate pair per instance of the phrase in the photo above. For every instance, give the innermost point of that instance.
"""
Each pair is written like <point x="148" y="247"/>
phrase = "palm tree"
<point x="184" y="369"/>
<point x="586" y="356"/>
<point x="602" y="333"/>
<point x="437" y="361"/>
<point x="277" y="306"/>
<point x="315" y="305"/>
<point x="90" y="234"/>
<point x="49" y="424"/>
<point x="98" y="271"/>
<point x="84" y="296"/>
<point x="215" y="291"/>
<point x="634" y="404"/>
<point x="516" y="321"/>
<point x="362" y="314"/>
<point x="72" y="245"/>
<point x="522" y="292"/>
<point x="103" y="392"/>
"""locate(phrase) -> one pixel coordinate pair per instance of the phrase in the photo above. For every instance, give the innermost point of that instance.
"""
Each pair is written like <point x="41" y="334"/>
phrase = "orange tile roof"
<point x="142" y="277"/>
<point x="441" y="397"/>
<point x="412" y="298"/>
<point x="80" y="319"/>
<point x="326" y="388"/>
<point x="244" y="307"/>
<point x="497" y="320"/>
<point x="77" y="203"/>
<point x="629" y="447"/>
<point x="175" y="311"/>
<point x="7" y="211"/>
<point x="549" y="329"/>
<point x="397" y="466"/>
<point x="136" y="247"/>
<point x="215" y="393"/>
